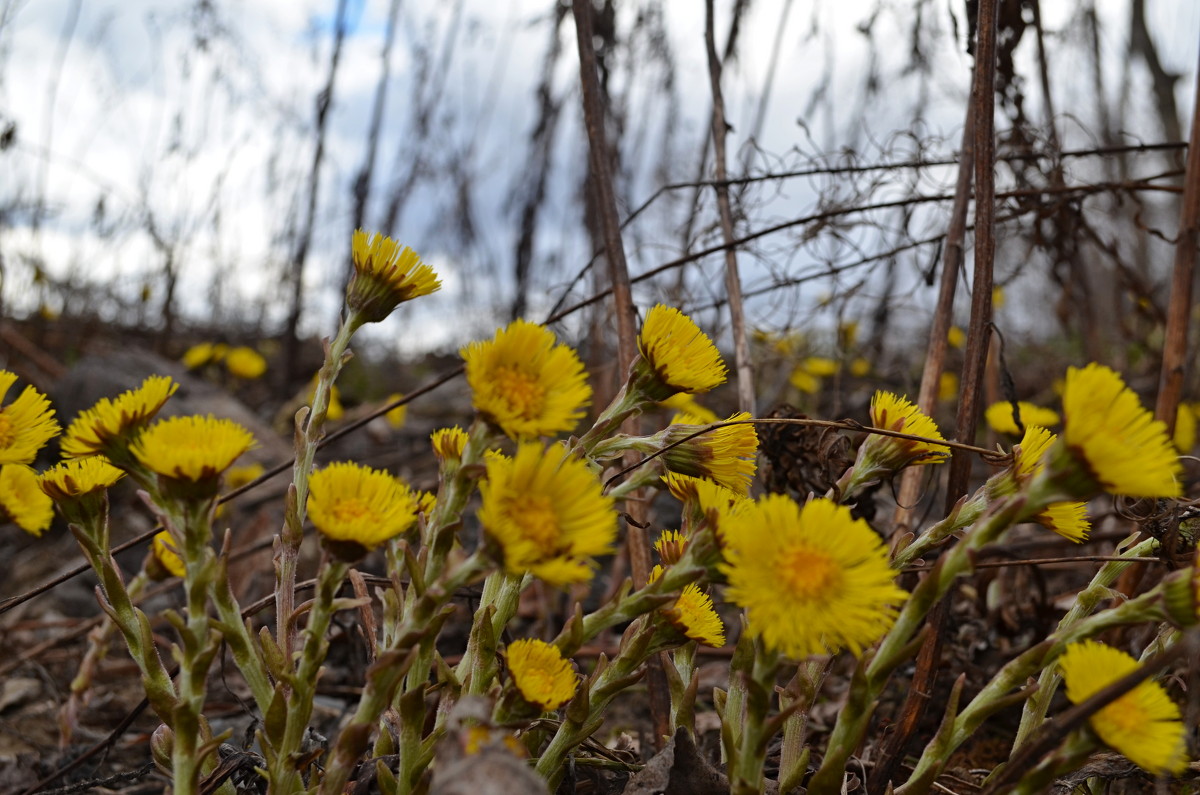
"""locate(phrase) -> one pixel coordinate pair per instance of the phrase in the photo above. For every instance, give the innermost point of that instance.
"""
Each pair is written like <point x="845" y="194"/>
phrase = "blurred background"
<point x="190" y="171"/>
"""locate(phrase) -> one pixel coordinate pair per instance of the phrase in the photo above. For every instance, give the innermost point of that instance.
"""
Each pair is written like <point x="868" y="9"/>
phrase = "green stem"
<point x="874" y="670"/>
<point x="284" y="776"/>
<point x="1086" y="602"/>
<point x="307" y="441"/>
<point x="389" y="669"/>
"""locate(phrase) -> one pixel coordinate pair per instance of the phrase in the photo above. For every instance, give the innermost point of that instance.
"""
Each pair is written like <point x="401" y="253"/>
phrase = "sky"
<point x="144" y="127"/>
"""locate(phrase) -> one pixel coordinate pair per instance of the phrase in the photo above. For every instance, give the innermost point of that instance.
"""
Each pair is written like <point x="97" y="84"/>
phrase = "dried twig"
<point x="733" y="282"/>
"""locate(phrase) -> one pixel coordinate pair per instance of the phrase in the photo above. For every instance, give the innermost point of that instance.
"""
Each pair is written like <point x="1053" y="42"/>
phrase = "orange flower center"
<point x="351" y="510"/>
<point x="536" y="516"/>
<point x="521" y="389"/>
<point x="1126" y="714"/>
<point x="807" y="573"/>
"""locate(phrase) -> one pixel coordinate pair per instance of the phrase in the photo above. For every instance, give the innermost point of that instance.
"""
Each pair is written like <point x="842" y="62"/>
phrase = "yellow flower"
<point x="78" y="477"/>
<point x="112" y="424"/>
<point x="359" y="506"/>
<point x="1144" y="724"/>
<point x="22" y="501"/>
<point x="956" y="337"/>
<point x="811" y="580"/>
<point x="670" y="546"/>
<point x="676" y="356"/>
<point x="948" y="387"/>
<point x="1185" y="428"/>
<point x="202" y="353"/>
<point x="894" y="413"/>
<point x="998" y="297"/>
<point x="426" y="502"/>
<point x="693" y="615"/>
<point x="710" y="501"/>
<point x="1068" y="519"/>
<point x="726" y="455"/>
<point x="540" y="672"/>
<point x="448" y="443"/>
<point x="820" y="366"/>
<point x="547" y="512"/>
<point x="525" y="383"/>
<point x="385" y="275"/>
<point x="237" y="477"/>
<point x="192" y="448"/>
<point x="245" y="363"/>
<point x="686" y="404"/>
<point x="860" y="367"/>
<point x="1000" y="418"/>
<point x="26" y="424"/>
<point x="805" y="381"/>
<point x="1123" y="448"/>
<point x="398" y="415"/>
<point x="168" y="556"/>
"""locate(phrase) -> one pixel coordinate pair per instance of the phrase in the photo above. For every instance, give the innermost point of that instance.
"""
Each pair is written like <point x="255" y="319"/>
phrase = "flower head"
<point x="705" y="500"/>
<point x="192" y="448"/>
<point x="526" y="383"/>
<point x="670" y="546"/>
<point x="725" y="455"/>
<point x="547" y="512"/>
<point x="202" y="353"/>
<point x="1068" y="519"/>
<point x="542" y="675"/>
<point x="893" y="413"/>
<point x="1185" y="428"/>
<point x="397" y="416"/>
<point x="22" y="501"/>
<point x="1001" y="419"/>
<point x="166" y="554"/>
<point x="78" y="477"/>
<point x="1144" y="724"/>
<point x="448" y="443"/>
<point x="110" y="426"/>
<point x="812" y="579"/>
<point x="245" y="363"/>
<point x="386" y="274"/>
<point x="693" y="615"/>
<point x="676" y="356"/>
<point x="1118" y="443"/>
<point x="26" y="424"/>
<point x="358" y="506"/>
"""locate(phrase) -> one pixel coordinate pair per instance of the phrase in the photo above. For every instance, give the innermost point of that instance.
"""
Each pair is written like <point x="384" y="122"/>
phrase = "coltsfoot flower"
<point x="78" y="485"/>
<point x="686" y="404"/>
<point x="1117" y="444"/>
<point x="542" y="675"/>
<point x="706" y="501"/>
<point x="894" y="413"/>
<point x="167" y="556"/>
<point x="26" y="505"/>
<point x="110" y="426"/>
<point x="811" y="579"/>
<point x="193" y="449"/>
<point x="246" y="363"/>
<point x="526" y="383"/>
<point x="547" y="512"/>
<point x="1068" y="519"/>
<point x="670" y="546"/>
<point x="358" y="508"/>
<point x="26" y="424"/>
<point x="693" y="614"/>
<point x="448" y="443"/>
<point x="675" y="356"/>
<point x="999" y="416"/>
<point x="399" y="415"/>
<point x="726" y="455"/>
<point x="77" y="477"/>
<point x="1144" y="724"/>
<point x="386" y="274"/>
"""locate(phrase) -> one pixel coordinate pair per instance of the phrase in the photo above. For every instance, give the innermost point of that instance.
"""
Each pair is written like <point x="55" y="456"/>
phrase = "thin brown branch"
<point x="733" y="282"/>
<point x="1175" y="351"/>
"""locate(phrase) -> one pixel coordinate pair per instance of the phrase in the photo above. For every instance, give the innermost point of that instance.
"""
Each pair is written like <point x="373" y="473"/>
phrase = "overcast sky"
<point x="196" y="118"/>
